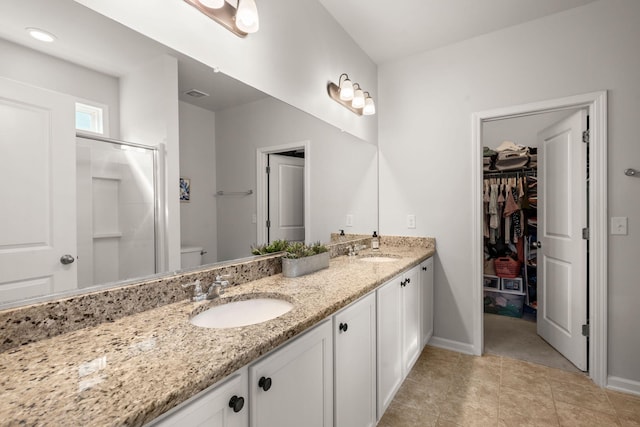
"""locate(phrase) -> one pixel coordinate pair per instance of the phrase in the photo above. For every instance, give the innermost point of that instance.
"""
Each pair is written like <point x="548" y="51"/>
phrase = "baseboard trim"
<point x="624" y="385"/>
<point x="458" y="346"/>
<point x="426" y="339"/>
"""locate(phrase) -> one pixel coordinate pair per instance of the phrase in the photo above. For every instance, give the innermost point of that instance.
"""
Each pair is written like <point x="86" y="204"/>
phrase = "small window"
<point x="89" y="118"/>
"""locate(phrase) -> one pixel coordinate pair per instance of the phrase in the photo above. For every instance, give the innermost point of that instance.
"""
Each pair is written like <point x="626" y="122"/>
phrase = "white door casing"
<point x="562" y="257"/>
<point x="38" y="214"/>
<point x="262" y="190"/>
<point x="286" y="198"/>
<point x="596" y="104"/>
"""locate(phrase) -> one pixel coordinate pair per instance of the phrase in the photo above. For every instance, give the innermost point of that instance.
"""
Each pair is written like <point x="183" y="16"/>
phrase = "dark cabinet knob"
<point x="237" y="403"/>
<point x="408" y="280"/>
<point x="424" y="268"/>
<point x="403" y="283"/>
<point x="264" y="383"/>
<point x="343" y="327"/>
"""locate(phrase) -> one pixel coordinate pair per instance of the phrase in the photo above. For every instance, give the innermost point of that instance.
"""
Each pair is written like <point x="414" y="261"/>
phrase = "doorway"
<point x="534" y="163"/>
<point x="595" y="105"/>
<point x="283" y="192"/>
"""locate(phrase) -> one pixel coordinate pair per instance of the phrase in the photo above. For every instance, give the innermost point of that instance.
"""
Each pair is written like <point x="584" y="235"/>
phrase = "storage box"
<point x="505" y="303"/>
<point x="491" y="282"/>
<point x="513" y="284"/>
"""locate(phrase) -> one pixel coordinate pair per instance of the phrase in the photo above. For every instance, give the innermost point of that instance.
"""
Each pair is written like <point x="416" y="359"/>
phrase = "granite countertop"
<point x="129" y="371"/>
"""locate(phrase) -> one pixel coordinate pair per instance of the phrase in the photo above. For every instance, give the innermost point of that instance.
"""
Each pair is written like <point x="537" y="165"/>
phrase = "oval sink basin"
<point x="378" y="259"/>
<point x="242" y="313"/>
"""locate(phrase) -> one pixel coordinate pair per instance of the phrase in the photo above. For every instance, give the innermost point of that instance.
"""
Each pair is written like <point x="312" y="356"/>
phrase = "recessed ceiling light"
<point x="41" y="35"/>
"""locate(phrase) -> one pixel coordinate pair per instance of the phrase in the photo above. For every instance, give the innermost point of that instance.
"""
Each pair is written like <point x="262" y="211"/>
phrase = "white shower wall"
<point x="116" y="239"/>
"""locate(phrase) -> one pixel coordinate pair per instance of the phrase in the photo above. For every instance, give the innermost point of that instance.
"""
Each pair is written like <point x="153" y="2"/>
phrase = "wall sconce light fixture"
<point x="350" y="95"/>
<point x="240" y="20"/>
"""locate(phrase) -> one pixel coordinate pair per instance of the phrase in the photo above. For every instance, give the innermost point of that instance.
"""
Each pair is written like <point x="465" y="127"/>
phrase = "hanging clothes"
<point x="493" y="212"/>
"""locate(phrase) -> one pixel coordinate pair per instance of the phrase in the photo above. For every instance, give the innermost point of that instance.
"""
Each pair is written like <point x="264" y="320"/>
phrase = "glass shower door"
<point x="116" y="203"/>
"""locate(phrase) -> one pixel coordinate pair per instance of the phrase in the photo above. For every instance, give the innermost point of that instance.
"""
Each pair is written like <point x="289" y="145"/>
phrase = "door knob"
<point x="538" y="244"/>
<point x="67" y="259"/>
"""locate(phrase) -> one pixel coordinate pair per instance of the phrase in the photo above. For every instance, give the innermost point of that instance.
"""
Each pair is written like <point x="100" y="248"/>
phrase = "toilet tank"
<point x="190" y="256"/>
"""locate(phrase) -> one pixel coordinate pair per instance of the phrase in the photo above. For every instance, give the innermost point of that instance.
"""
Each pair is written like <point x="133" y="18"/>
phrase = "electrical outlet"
<point x="619" y="225"/>
<point x="349" y="221"/>
<point x="411" y="221"/>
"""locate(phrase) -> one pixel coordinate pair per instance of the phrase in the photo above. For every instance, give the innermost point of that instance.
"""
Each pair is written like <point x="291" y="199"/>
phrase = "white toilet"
<point x="190" y="256"/>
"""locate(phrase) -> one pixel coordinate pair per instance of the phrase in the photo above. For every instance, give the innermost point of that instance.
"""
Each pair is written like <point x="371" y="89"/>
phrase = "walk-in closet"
<point x="510" y="239"/>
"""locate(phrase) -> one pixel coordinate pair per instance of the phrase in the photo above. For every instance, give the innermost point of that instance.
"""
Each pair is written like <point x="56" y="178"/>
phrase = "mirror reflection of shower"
<point x="116" y="204"/>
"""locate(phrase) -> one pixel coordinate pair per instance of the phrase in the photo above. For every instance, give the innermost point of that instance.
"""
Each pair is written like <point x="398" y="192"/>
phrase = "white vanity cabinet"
<point x="293" y="386"/>
<point x="354" y="333"/>
<point x="221" y="405"/>
<point x="344" y="372"/>
<point x="399" y="339"/>
<point x="426" y="287"/>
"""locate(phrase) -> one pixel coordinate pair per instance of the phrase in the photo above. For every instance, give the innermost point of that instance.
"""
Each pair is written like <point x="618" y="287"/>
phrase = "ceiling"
<point x="384" y="33"/>
<point x="87" y="38"/>
<point x="388" y="30"/>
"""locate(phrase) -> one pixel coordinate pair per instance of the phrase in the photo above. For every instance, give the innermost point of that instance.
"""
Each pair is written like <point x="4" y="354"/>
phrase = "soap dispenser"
<point x="375" y="242"/>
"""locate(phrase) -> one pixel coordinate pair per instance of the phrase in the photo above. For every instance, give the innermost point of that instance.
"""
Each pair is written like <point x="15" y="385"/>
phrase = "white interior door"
<point x="286" y="198"/>
<point x="38" y="209"/>
<point x="562" y="257"/>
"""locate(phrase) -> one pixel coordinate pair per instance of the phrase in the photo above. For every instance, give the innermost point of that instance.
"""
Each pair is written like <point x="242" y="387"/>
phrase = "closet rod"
<point x="507" y="174"/>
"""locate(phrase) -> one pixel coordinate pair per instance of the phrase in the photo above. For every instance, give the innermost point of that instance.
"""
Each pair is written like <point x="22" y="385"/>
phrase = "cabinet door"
<point x="354" y="330"/>
<point x="389" y="343"/>
<point x="213" y="407"/>
<point x="293" y="386"/>
<point x="426" y="286"/>
<point x="411" y="338"/>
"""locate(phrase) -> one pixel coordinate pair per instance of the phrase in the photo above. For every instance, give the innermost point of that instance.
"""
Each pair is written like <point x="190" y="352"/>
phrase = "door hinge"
<point x="585" y="330"/>
<point x="268" y="169"/>
<point x="585" y="233"/>
<point x="585" y="136"/>
<point x="268" y="224"/>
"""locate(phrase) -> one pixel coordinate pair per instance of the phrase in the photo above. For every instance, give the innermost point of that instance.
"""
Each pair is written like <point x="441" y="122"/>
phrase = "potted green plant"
<point x="273" y="247"/>
<point x="301" y="259"/>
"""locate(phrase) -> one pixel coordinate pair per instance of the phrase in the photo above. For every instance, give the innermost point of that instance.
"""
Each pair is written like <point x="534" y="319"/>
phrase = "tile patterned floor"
<point x="447" y="389"/>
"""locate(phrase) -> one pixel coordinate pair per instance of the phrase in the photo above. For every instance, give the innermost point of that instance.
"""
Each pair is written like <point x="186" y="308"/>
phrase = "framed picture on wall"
<point x="185" y="189"/>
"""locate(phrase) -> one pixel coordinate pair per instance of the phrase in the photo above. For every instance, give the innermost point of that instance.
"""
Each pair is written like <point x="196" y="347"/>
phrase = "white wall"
<point x="425" y="108"/>
<point x="35" y="68"/>
<point x="198" y="218"/>
<point x="520" y="130"/>
<point x="287" y="58"/>
<point x="343" y="172"/>
<point x="149" y="116"/>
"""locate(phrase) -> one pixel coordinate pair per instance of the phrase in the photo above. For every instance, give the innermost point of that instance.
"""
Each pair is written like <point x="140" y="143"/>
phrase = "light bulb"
<point x="247" y="16"/>
<point x="213" y="4"/>
<point x="358" y="99"/>
<point x="346" y="90"/>
<point x="369" y="106"/>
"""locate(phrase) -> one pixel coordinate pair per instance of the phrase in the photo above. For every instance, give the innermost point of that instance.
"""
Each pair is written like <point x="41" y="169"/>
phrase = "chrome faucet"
<point x="198" y="294"/>
<point x="217" y="287"/>
<point x="353" y="250"/>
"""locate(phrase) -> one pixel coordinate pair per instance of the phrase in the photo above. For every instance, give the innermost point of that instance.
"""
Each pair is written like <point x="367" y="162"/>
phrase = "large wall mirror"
<point x="115" y="214"/>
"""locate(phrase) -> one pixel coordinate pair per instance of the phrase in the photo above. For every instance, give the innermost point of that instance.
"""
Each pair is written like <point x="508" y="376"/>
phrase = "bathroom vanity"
<point x="155" y="366"/>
